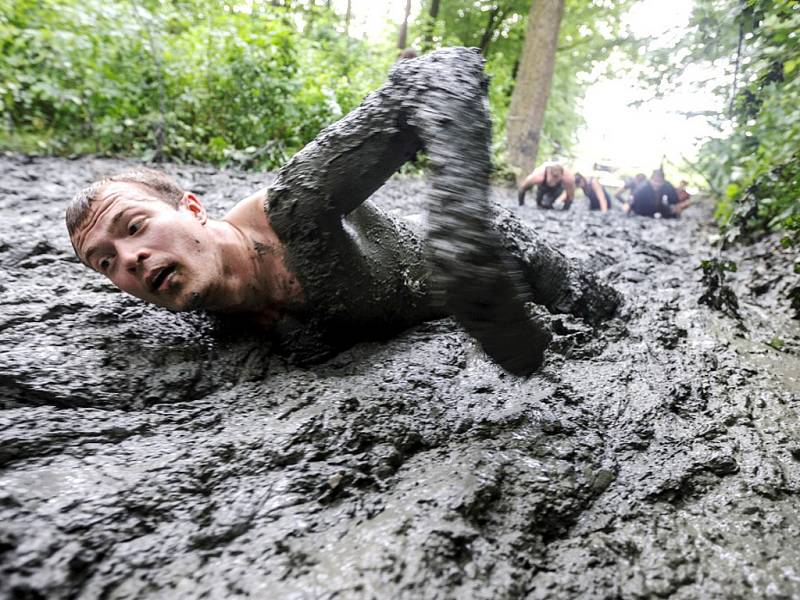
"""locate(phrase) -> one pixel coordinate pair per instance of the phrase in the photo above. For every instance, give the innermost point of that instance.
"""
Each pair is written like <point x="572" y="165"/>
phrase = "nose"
<point x="132" y="258"/>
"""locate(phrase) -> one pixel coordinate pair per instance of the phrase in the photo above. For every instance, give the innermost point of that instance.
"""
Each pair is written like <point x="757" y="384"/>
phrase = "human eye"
<point x="103" y="264"/>
<point x="134" y="226"/>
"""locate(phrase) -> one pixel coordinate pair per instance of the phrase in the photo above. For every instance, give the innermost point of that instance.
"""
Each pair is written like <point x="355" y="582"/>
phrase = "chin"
<point x="188" y="302"/>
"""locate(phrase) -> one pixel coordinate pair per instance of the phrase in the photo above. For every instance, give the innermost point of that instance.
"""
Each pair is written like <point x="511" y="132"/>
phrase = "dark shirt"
<point x="648" y="202"/>
<point x="668" y="193"/>
<point x="546" y="195"/>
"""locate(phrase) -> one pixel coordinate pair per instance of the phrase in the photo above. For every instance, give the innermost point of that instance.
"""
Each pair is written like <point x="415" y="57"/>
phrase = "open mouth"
<point x="160" y="277"/>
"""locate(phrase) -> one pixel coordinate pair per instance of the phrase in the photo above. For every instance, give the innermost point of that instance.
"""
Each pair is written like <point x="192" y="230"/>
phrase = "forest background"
<point x="249" y="83"/>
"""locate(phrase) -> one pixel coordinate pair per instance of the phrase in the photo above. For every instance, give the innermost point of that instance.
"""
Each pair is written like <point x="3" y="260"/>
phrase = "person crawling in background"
<point x="555" y="185"/>
<point x="318" y="266"/>
<point x="683" y="196"/>
<point x="656" y="196"/>
<point x="625" y="192"/>
<point x="599" y="198"/>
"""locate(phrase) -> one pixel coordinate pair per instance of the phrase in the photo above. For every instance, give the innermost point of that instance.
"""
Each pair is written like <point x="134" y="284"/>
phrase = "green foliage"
<point x="776" y="343"/>
<point x="589" y="32"/>
<point x="249" y="83"/>
<point x="188" y="80"/>
<point x="753" y="164"/>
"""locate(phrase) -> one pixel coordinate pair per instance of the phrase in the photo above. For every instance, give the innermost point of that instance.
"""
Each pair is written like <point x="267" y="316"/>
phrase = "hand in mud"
<point x="485" y="293"/>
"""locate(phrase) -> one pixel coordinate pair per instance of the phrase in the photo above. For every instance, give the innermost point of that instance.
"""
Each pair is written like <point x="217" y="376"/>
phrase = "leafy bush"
<point x="188" y="80"/>
<point x="753" y="164"/>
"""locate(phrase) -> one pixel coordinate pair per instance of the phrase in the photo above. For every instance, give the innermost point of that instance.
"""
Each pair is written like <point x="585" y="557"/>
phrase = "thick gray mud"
<point x="145" y="454"/>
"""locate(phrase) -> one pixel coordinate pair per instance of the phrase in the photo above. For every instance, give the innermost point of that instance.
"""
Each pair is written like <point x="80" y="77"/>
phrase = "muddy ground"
<point x="145" y="454"/>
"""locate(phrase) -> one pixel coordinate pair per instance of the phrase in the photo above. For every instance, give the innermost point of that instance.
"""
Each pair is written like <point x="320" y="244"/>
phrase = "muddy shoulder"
<point x="146" y="454"/>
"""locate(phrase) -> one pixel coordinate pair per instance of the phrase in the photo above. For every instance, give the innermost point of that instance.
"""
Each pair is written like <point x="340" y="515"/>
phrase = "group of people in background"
<point x="555" y="188"/>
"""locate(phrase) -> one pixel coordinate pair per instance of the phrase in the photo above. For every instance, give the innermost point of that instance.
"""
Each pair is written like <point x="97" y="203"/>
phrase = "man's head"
<point x="553" y="174"/>
<point x="147" y="236"/>
<point x="640" y="178"/>
<point x="580" y="180"/>
<point x="657" y="179"/>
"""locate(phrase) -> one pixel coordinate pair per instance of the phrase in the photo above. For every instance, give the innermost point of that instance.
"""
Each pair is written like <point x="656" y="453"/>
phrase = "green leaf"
<point x="776" y="343"/>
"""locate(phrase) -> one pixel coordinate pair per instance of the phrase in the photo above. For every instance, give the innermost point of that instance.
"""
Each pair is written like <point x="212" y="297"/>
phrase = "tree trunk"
<point x="347" y="16"/>
<point x="532" y="89"/>
<point x="430" y="25"/>
<point x="486" y="38"/>
<point x="437" y="104"/>
<point x="402" y="38"/>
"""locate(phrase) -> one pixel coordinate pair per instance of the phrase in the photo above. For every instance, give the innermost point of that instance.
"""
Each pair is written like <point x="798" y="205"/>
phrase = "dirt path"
<point x="151" y="455"/>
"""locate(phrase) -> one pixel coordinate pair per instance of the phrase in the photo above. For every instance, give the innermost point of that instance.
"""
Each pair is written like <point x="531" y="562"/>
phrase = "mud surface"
<point x="145" y="454"/>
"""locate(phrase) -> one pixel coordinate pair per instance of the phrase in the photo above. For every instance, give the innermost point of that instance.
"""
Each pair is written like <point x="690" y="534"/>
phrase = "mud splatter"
<point x="147" y="454"/>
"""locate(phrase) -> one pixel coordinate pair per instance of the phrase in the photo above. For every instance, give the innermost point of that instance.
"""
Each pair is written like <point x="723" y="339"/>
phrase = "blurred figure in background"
<point x="683" y="196"/>
<point x="625" y="193"/>
<point x="554" y="185"/>
<point x="657" y="196"/>
<point x="599" y="197"/>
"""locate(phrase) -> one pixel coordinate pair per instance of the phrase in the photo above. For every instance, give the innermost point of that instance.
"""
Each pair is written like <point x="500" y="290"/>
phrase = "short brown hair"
<point x="161" y="185"/>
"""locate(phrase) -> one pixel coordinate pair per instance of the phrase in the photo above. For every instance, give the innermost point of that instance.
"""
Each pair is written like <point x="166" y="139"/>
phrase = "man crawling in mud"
<point x="313" y="262"/>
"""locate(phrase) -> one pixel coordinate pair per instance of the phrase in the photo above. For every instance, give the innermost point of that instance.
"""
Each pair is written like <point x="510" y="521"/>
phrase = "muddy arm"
<point x="346" y="163"/>
<point x="554" y="281"/>
<point x="422" y="106"/>
<point x="436" y="103"/>
<point x="534" y="178"/>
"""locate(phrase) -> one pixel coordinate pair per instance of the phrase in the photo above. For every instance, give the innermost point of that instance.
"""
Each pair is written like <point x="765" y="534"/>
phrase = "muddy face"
<point x="149" y="249"/>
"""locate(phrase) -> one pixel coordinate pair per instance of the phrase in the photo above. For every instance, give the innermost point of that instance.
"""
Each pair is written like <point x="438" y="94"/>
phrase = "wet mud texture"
<point x="145" y="454"/>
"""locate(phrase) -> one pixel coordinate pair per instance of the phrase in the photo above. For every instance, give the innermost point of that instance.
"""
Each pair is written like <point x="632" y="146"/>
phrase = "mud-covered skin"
<point x="561" y="284"/>
<point x="145" y="454"/>
<point x="365" y="278"/>
<point x="435" y="103"/>
<point x="368" y="279"/>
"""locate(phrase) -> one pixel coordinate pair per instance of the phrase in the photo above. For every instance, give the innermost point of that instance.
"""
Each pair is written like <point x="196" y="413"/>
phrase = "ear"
<point x="192" y="203"/>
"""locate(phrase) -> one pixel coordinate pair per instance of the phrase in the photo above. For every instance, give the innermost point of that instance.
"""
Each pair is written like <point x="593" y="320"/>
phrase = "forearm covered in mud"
<point x="521" y="193"/>
<point x="560" y="284"/>
<point x="351" y="159"/>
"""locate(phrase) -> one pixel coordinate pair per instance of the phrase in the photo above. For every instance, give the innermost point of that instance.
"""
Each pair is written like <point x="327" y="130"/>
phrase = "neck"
<point x="252" y="273"/>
